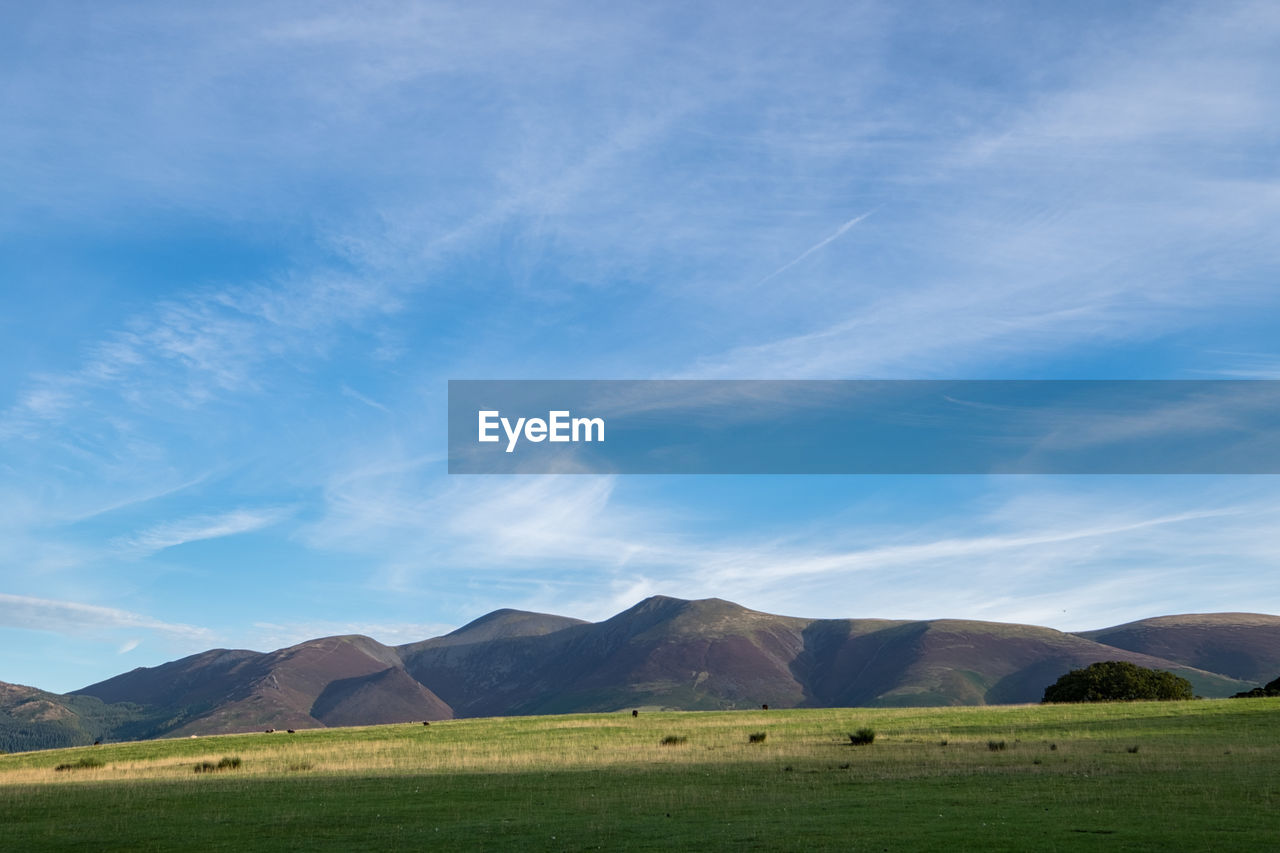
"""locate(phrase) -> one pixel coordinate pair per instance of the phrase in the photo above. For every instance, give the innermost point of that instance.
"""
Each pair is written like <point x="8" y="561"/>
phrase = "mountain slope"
<point x="704" y="654"/>
<point x="667" y="652"/>
<point x="35" y="719"/>
<point x="388" y="696"/>
<point x="662" y="652"/>
<point x="230" y="691"/>
<point x="1240" y="645"/>
<point x="958" y="662"/>
<point x="501" y="624"/>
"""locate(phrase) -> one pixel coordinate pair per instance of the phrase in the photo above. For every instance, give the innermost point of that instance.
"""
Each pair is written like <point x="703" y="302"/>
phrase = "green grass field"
<point x="1186" y="775"/>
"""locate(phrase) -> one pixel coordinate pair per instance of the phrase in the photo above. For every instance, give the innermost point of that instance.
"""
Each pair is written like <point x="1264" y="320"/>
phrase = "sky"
<point x="244" y="246"/>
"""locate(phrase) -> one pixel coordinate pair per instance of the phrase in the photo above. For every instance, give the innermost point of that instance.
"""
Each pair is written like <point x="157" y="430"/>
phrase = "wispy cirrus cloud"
<point x="816" y="247"/>
<point x="171" y="534"/>
<point x="1089" y="213"/>
<point x="69" y="617"/>
<point x="1004" y="566"/>
<point x="1103" y="564"/>
<point x="285" y="225"/>
<point x="193" y="349"/>
<point x="1058" y="551"/>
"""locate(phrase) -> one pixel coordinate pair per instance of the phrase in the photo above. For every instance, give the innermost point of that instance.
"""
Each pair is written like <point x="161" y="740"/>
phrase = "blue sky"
<point x="243" y="247"/>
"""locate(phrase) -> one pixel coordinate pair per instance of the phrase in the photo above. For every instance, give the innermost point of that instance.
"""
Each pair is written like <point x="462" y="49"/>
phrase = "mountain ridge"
<point x="1221" y="642"/>
<point x="662" y="652"/>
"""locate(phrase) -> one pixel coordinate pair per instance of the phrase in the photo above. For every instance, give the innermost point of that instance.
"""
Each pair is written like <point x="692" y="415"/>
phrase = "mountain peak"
<point x="502" y="624"/>
<point x="670" y="605"/>
<point x="661" y="652"/>
<point x="679" y="616"/>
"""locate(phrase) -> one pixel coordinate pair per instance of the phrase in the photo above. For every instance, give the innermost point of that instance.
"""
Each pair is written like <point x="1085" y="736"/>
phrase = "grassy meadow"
<point x="1175" y="775"/>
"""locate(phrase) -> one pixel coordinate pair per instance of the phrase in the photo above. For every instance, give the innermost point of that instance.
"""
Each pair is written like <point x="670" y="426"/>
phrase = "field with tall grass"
<point x="1172" y="775"/>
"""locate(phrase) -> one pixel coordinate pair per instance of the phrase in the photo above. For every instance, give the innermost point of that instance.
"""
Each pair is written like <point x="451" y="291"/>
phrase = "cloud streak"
<point x="1086" y="215"/>
<point x="1093" y="550"/>
<point x="244" y="235"/>
<point x="69" y="617"/>
<point x="816" y="247"/>
<point x="199" y="528"/>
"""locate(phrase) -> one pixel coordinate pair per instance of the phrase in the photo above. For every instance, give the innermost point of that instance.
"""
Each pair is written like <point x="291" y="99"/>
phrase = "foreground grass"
<point x="1193" y="775"/>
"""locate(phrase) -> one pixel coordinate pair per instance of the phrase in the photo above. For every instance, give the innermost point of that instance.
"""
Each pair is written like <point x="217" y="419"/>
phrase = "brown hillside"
<point x="1240" y="645"/>
<point x="389" y="696"/>
<point x="662" y="652"/>
<point x="221" y="692"/>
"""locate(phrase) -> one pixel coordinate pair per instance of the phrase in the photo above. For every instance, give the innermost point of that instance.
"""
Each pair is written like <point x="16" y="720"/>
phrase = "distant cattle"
<point x="291" y="731"/>
<point x="425" y="723"/>
<point x="765" y="706"/>
<point x="98" y="742"/>
<point x="270" y="731"/>
<point x="635" y="713"/>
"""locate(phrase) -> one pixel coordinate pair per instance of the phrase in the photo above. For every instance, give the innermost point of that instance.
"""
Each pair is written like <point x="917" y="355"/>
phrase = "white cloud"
<point x="197" y="528"/>
<point x="630" y="186"/>
<point x="835" y="235"/>
<point x="1125" y="201"/>
<point x="1072" y="553"/>
<point x="69" y="617"/>
<point x="348" y="391"/>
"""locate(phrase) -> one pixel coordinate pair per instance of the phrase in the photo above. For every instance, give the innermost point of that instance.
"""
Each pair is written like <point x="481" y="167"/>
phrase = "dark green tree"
<point x="1117" y="681"/>
<point x="1272" y="688"/>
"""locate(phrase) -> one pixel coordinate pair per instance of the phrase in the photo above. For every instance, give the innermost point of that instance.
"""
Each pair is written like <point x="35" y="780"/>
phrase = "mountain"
<point x="330" y="681"/>
<point x="661" y="653"/>
<point x="711" y="654"/>
<point x="1241" y="645"/>
<point x="957" y="662"/>
<point x="35" y="719"/>
<point x="501" y="625"/>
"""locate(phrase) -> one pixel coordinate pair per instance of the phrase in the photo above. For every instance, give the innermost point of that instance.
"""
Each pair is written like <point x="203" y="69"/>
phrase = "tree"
<point x="1272" y="688"/>
<point x="1117" y="681"/>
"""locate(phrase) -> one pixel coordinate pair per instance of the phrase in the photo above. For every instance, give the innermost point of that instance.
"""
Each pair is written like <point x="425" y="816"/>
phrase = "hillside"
<point x="35" y="719"/>
<point x="661" y="653"/>
<point x="956" y="662"/>
<point x="1240" y="645"/>
<point x="330" y="681"/>
<point x="712" y="654"/>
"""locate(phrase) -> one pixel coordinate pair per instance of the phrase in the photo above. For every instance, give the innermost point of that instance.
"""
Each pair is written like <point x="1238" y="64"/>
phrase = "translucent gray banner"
<point x="864" y="427"/>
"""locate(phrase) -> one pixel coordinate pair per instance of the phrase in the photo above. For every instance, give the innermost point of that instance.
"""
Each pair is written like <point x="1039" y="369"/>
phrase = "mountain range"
<point x="660" y="653"/>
